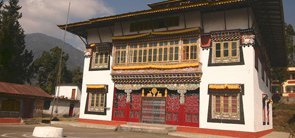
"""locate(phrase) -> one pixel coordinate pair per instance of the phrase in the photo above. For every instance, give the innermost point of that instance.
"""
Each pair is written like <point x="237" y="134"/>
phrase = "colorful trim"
<point x="96" y="86"/>
<point x="174" y="32"/>
<point x="155" y="66"/>
<point x="224" y="86"/>
<point x="214" y="120"/>
<point x="10" y="120"/>
<point x="241" y="62"/>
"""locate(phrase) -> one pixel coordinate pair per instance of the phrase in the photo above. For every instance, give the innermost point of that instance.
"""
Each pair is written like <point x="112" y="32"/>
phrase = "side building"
<point x="21" y="102"/>
<point x="67" y="103"/>
<point x="204" y="64"/>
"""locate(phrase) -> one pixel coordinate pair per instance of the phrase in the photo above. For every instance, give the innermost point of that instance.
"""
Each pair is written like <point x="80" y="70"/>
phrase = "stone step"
<point x="147" y="128"/>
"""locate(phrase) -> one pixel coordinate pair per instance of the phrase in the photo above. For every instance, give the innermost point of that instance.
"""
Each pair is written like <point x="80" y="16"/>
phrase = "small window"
<point x="225" y="104"/>
<point x="225" y="107"/>
<point x="100" y="59"/>
<point x="225" y="52"/>
<point x="256" y="58"/>
<point x="96" y="100"/>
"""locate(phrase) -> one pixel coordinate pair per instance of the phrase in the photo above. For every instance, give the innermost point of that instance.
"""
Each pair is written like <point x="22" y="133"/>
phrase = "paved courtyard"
<point x="21" y="131"/>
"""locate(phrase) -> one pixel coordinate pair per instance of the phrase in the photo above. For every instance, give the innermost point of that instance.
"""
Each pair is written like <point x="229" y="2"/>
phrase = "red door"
<point x="191" y="109"/>
<point x="120" y="106"/>
<point x="135" y="106"/>
<point x="172" y="108"/>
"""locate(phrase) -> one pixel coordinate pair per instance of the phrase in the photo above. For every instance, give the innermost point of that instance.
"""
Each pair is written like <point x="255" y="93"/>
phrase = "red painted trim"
<point x="291" y="81"/>
<point x="112" y="123"/>
<point x="127" y="111"/>
<point x="181" y="114"/>
<point x="240" y="134"/>
<point x="291" y="94"/>
<point x="10" y="120"/>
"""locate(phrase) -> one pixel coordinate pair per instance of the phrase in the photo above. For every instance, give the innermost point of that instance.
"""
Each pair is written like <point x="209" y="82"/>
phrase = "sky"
<point x="43" y="16"/>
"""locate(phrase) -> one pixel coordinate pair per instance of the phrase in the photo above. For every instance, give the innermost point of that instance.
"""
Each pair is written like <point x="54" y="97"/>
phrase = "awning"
<point x="99" y="88"/>
<point x="224" y="89"/>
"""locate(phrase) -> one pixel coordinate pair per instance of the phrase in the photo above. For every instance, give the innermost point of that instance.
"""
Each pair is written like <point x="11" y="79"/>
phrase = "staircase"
<point x="147" y="128"/>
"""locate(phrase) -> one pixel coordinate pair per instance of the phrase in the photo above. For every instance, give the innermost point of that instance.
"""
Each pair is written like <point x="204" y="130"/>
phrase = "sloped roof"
<point x="25" y="90"/>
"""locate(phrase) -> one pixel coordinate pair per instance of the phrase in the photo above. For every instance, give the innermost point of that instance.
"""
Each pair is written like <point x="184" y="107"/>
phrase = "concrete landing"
<point x="147" y="128"/>
<point x="85" y="125"/>
<point x="48" y="132"/>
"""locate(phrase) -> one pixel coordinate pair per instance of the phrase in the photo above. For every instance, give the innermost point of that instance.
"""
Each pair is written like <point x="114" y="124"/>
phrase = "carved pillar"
<point x="181" y="92"/>
<point x="128" y="95"/>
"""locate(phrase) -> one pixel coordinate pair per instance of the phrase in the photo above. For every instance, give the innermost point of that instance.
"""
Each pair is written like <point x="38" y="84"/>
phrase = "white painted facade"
<point x="245" y="74"/>
<point x="92" y="78"/>
<point x="66" y="91"/>
<point x="68" y="94"/>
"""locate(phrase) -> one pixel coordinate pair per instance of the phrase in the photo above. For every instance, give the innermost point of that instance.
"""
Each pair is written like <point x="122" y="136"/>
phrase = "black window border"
<point x="97" y="113"/>
<point x="106" y="45"/>
<point x="209" y="115"/>
<point x="241" y="62"/>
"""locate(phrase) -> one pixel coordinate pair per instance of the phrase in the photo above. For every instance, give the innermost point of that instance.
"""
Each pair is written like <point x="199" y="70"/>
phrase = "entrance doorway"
<point x="153" y="110"/>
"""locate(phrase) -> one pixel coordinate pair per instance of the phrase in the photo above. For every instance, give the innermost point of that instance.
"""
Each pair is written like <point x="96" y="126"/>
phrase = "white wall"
<point x="259" y="89"/>
<point x="227" y="20"/>
<point x="66" y="91"/>
<point x="238" y="74"/>
<point x="63" y="108"/>
<point x="97" y="77"/>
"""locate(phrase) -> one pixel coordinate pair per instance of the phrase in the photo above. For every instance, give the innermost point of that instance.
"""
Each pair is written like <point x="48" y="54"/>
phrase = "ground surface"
<point x="21" y="131"/>
<point x="284" y="117"/>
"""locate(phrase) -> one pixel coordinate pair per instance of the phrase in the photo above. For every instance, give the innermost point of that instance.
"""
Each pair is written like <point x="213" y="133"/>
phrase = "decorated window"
<point x="225" y="107"/>
<point x="226" y="52"/>
<point x="96" y="99"/>
<point x="157" y="52"/>
<point x="100" y="58"/>
<point x="225" y="104"/>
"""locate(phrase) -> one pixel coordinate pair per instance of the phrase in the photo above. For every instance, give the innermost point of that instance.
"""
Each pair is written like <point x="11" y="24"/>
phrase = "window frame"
<point x="211" y="117"/>
<point x="95" y="56"/>
<point x="229" y="114"/>
<point x="89" y="98"/>
<point x="226" y="60"/>
<point x="157" y="52"/>
<point x="192" y="42"/>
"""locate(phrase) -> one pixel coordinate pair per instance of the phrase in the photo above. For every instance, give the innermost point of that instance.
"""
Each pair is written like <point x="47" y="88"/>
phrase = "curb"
<point x="85" y="125"/>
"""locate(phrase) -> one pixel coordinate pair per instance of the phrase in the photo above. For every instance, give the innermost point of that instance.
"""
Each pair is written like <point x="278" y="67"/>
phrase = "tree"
<point x="14" y="58"/>
<point x="77" y="76"/>
<point x="46" y="69"/>
<point x="280" y="73"/>
<point x="289" y="33"/>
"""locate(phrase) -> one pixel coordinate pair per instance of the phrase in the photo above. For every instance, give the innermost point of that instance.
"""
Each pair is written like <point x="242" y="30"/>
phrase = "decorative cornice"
<point x="160" y="33"/>
<point x="155" y="66"/>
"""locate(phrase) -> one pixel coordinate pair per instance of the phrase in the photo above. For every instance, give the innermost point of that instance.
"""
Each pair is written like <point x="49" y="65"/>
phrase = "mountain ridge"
<point x="38" y="43"/>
